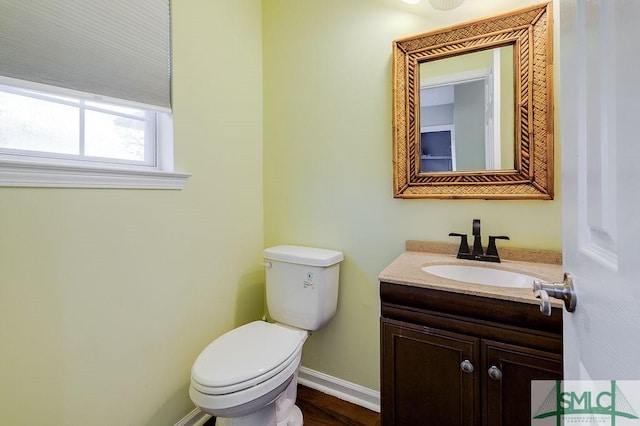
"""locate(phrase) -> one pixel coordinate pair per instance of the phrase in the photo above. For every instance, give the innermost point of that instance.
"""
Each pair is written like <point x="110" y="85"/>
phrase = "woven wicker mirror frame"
<point x="529" y="31"/>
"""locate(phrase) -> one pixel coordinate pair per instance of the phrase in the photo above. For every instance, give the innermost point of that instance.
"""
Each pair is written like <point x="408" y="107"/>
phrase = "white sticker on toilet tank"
<point x="308" y="281"/>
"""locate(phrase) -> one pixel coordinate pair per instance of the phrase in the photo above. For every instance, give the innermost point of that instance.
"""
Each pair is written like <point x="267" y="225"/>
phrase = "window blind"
<point x="116" y="48"/>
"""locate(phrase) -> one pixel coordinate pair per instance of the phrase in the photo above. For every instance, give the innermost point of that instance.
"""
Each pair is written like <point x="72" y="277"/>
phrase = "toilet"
<point x="248" y="376"/>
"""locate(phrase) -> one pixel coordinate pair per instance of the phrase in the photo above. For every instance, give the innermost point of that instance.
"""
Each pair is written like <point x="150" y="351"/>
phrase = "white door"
<point x="599" y="91"/>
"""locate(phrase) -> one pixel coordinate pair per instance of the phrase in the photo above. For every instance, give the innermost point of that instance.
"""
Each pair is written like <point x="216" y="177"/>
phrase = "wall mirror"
<point x="473" y="109"/>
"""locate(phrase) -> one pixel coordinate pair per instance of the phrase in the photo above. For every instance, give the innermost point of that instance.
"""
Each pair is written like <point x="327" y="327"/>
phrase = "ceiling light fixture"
<point x="411" y="1"/>
<point x="445" y="4"/>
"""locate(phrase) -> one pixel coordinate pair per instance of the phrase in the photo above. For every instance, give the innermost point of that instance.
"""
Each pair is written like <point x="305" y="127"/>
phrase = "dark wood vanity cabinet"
<point x="457" y="359"/>
<point x="422" y="382"/>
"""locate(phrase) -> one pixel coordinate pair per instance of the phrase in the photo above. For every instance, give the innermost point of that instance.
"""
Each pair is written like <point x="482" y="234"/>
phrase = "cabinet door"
<point x="423" y="382"/>
<point x="506" y="389"/>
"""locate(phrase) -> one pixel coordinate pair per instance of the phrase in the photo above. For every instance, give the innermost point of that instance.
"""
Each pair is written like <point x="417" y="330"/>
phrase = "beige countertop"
<point x="406" y="270"/>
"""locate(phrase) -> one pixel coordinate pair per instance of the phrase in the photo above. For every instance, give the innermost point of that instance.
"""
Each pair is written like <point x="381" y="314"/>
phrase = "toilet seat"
<point x="247" y="356"/>
<point x="247" y="400"/>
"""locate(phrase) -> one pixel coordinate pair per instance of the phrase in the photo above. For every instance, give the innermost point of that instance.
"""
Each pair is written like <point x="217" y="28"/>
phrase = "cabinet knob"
<point x="495" y="373"/>
<point x="466" y="366"/>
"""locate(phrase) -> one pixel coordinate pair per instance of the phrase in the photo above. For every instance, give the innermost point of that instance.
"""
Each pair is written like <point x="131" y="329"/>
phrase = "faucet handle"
<point x="463" y="250"/>
<point x="492" y="250"/>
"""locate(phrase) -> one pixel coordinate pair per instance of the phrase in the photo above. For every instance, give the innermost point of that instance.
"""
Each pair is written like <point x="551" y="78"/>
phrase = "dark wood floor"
<point x="320" y="409"/>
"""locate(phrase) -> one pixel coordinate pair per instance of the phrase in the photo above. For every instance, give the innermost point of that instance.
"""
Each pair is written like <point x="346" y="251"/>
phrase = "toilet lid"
<point x="246" y="352"/>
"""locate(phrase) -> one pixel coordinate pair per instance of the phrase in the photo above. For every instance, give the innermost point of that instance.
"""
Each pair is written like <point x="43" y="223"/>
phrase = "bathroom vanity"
<point x="460" y="353"/>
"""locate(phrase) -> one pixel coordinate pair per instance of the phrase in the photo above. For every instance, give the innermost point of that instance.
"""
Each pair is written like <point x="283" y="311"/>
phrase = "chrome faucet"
<point x="478" y="252"/>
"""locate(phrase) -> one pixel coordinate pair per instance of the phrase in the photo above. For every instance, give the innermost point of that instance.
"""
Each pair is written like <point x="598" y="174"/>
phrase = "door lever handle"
<point x="545" y="302"/>
<point x="564" y="291"/>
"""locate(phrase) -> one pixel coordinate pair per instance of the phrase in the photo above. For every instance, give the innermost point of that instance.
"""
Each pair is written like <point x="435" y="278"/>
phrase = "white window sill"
<point x="39" y="175"/>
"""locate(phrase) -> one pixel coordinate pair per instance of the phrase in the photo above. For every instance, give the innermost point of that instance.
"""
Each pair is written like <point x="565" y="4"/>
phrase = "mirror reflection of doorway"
<point x="459" y="111"/>
<point x="467" y="91"/>
<point x="437" y="145"/>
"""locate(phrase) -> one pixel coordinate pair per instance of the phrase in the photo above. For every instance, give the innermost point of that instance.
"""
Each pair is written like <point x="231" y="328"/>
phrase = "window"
<point x="36" y="124"/>
<point x="85" y="94"/>
<point x="51" y="140"/>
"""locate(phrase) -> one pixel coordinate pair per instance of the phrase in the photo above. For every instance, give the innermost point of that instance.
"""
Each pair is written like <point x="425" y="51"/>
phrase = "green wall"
<point x="108" y="296"/>
<point x="328" y="166"/>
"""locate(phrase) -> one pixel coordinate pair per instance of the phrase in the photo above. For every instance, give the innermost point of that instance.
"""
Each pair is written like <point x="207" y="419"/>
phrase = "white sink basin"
<point x="481" y="275"/>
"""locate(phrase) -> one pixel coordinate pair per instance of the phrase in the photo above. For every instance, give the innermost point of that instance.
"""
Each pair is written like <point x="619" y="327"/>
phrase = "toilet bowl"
<point x="248" y="376"/>
<point x="247" y="369"/>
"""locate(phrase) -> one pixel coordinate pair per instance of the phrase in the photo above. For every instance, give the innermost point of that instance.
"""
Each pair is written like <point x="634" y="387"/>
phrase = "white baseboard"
<point x="194" y="418"/>
<point x="325" y="383"/>
<point x="339" y="388"/>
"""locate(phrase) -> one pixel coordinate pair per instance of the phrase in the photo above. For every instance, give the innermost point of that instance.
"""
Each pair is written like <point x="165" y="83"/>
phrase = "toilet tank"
<point x="302" y="285"/>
